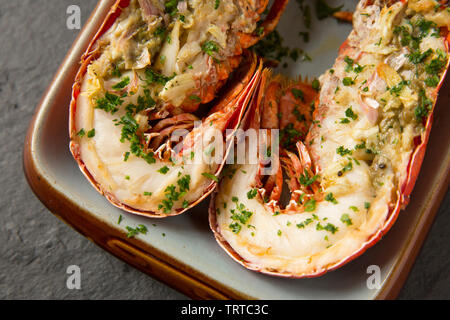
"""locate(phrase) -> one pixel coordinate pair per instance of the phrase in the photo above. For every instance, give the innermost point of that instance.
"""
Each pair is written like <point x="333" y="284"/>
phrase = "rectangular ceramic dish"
<point x="181" y="251"/>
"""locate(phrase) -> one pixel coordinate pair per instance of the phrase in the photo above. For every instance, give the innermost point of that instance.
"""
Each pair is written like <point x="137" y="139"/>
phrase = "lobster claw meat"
<point x="354" y="172"/>
<point x="136" y="129"/>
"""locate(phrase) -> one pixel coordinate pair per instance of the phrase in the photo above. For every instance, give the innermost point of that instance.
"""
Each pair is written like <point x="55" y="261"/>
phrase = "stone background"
<point x="35" y="247"/>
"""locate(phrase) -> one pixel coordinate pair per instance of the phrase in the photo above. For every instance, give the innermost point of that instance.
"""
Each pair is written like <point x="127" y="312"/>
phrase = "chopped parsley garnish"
<point x="348" y="81"/>
<point x="350" y="114"/>
<point x="173" y="195"/>
<point x="343" y="151"/>
<point x="362" y="145"/>
<point x="298" y="115"/>
<point x="289" y="136"/>
<point x="160" y="32"/>
<point x="210" y="47"/>
<point x="147" y="194"/>
<point x="122" y="84"/>
<point x="350" y="63"/>
<point x="210" y="176"/>
<point x="152" y="77"/>
<point x="324" y="10"/>
<point x="134" y="231"/>
<point x="432" y="81"/>
<point x="195" y="98"/>
<point x="328" y="227"/>
<point x="345" y="218"/>
<point x="252" y="193"/>
<point x="116" y="72"/>
<point x="271" y="47"/>
<point x="109" y="103"/>
<point x="399" y="87"/>
<point x="184" y="183"/>
<point x="425" y="105"/>
<point x="316" y="85"/>
<point x="302" y="225"/>
<point x="436" y="65"/>
<point x="164" y="170"/>
<point x="310" y="205"/>
<point x="171" y="7"/>
<point x="241" y="214"/>
<point x="416" y="57"/>
<point x="81" y="133"/>
<point x="298" y="94"/>
<point x="91" y="133"/>
<point x="235" y="227"/>
<point x="216" y="4"/>
<point x="306" y="180"/>
<point x="129" y="133"/>
<point x="329" y="197"/>
<point x="348" y="167"/>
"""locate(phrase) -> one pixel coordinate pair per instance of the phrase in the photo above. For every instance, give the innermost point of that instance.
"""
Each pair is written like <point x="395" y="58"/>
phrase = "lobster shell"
<point x="404" y="190"/>
<point x="238" y="92"/>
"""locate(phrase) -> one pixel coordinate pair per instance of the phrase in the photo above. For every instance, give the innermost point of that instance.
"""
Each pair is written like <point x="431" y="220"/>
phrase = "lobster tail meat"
<point x="354" y="172"/>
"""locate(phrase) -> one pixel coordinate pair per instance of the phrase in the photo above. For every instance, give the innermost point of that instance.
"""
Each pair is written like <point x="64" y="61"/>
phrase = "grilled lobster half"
<point x="349" y="178"/>
<point x="138" y="91"/>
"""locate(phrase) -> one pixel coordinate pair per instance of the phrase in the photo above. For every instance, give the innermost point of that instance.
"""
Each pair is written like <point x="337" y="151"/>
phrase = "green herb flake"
<point x="210" y="47"/>
<point x="195" y="98"/>
<point x="134" y="231"/>
<point x="316" y="85"/>
<point x="328" y="227"/>
<point x="252" y="193"/>
<point x="324" y="10"/>
<point x="345" y="218"/>
<point x="310" y="205"/>
<point x="343" y="151"/>
<point x="122" y="84"/>
<point x="235" y="227"/>
<point x="210" y="176"/>
<point x="91" y="133"/>
<point x="164" y="170"/>
<point x="306" y="180"/>
<point x="298" y="94"/>
<point x="348" y="81"/>
<point x="81" y="133"/>
<point x="330" y="198"/>
<point x="350" y="114"/>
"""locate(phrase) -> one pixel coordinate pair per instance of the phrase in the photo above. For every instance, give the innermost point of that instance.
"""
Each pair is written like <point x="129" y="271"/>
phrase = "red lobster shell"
<point x="269" y="251"/>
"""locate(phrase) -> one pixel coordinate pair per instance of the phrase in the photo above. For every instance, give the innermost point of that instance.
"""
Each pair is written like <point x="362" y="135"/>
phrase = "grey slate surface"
<point x="35" y="247"/>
